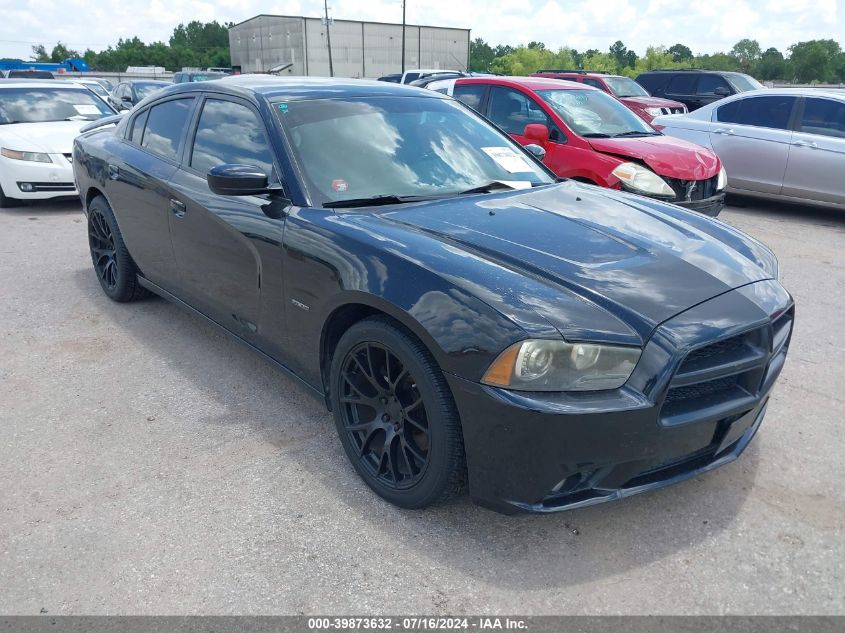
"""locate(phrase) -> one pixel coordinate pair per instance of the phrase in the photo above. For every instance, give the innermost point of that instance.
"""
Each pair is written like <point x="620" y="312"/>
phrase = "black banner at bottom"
<point x="316" y="624"/>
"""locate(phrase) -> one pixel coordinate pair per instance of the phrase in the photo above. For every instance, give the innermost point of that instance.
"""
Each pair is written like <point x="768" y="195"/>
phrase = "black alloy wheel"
<point x="385" y="416"/>
<point x="395" y="414"/>
<point x="101" y="242"/>
<point x="116" y="271"/>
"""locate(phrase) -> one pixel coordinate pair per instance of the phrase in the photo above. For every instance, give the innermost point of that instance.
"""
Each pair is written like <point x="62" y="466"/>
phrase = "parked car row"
<point x="786" y="144"/>
<point x="465" y="316"/>
<point x="588" y="135"/>
<point x="38" y="122"/>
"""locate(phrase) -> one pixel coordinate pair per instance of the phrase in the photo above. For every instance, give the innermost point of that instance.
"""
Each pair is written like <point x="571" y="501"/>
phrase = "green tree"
<point x="816" y="60"/>
<point x="537" y="45"/>
<point x="655" y="57"/>
<point x="680" y="53"/>
<point x="603" y="63"/>
<point x="717" y="61"/>
<point x="624" y="58"/>
<point x="61" y="52"/>
<point x="746" y="52"/>
<point x="481" y="55"/>
<point x="771" y="65"/>
<point x="524" y="61"/>
<point x="39" y="53"/>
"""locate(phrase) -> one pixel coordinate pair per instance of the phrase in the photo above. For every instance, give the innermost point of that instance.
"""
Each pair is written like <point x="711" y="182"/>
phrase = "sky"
<point x="703" y="25"/>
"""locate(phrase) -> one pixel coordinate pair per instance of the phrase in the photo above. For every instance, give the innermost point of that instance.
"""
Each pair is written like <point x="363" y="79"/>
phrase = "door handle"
<point x="724" y="130"/>
<point x="177" y="207"/>
<point x="114" y="172"/>
<point x="805" y="144"/>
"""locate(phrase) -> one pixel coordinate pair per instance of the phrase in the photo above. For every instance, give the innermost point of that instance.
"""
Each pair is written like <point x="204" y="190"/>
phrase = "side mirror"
<point x="721" y="91"/>
<point x="536" y="151"/>
<point x="537" y="133"/>
<point x="237" y="180"/>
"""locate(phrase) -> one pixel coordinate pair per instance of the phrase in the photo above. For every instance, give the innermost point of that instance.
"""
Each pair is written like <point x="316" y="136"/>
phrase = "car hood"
<point x="665" y="155"/>
<point x="651" y="102"/>
<point x="644" y="262"/>
<point x="53" y="137"/>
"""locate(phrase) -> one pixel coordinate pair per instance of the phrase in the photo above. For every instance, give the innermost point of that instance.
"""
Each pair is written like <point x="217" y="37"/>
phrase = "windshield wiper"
<point x="596" y="135"/>
<point x="373" y="201"/>
<point x="635" y="133"/>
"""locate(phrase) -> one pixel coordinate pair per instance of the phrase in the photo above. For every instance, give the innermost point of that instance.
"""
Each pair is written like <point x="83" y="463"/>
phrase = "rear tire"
<point x="116" y="271"/>
<point x="395" y="415"/>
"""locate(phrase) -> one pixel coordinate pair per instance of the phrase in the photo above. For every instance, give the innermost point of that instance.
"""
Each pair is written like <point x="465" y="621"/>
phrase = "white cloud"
<point x="704" y="25"/>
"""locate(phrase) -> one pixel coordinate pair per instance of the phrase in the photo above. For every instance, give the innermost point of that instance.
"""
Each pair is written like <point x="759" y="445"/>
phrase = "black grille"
<point x="700" y="390"/>
<point x="692" y="190"/>
<point x="717" y="380"/>
<point x="726" y="346"/>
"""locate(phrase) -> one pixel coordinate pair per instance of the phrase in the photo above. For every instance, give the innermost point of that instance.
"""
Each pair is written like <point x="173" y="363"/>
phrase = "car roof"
<point x="794" y="92"/>
<point x="271" y="87"/>
<point x="39" y="83"/>
<point x="576" y="73"/>
<point x="532" y="83"/>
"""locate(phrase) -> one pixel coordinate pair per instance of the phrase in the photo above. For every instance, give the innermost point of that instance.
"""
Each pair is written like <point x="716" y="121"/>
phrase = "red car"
<point x="588" y="135"/>
<point x="625" y="89"/>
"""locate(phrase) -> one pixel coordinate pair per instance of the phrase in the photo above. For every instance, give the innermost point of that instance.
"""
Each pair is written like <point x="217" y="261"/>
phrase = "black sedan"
<point x="463" y="315"/>
<point x="127" y="93"/>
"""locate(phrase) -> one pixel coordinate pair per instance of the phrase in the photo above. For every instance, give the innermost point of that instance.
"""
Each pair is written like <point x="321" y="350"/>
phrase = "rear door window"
<point x="594" y="83"/>
<point x="512" y="110"/>
<point x="136" y="129"/>
<point x="471" y="95"/>
<point x="769" y="111"/>
<point x="707" y="84"/>
<point x="682" y="84"/>
<point x="825" y="117"/>
<point x="166" y="123"/>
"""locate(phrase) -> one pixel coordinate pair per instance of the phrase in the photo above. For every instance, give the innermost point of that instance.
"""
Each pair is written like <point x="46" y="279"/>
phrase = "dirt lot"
<point x="151" y="465"/>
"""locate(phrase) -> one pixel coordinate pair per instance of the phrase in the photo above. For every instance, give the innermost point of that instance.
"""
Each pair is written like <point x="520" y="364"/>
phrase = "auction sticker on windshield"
<point x="507" y="159"/>
<point x="83" y="108"/>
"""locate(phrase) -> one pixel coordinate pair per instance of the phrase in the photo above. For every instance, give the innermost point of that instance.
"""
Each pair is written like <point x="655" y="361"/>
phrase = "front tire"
<point x="6" y="202"/>
<point x="116" y="272"/>
<point x="395" y="415"/>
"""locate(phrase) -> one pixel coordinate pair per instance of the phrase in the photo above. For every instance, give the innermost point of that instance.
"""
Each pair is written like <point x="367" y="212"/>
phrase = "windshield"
<point x="97" y="89"/>
<point x="206" y="76"/>
<point x="624" y="87"/>
<point x="38" y="105"/>
<point x="593" y="113"/>
<point x="744" y="83"/>
<point x="400" y="146"/>
<point x="146" y="88"/>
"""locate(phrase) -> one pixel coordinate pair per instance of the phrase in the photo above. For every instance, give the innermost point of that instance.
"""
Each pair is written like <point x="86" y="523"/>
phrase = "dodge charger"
<point x="468" y="318"/>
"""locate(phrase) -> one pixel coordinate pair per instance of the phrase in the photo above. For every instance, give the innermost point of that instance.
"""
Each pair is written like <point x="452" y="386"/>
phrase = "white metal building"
<point x="359" y="49"/>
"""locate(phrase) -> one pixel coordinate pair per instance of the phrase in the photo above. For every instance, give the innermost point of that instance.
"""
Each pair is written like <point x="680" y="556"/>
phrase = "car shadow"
<point x="528" y="551"/>
<point x="35" y="208"/>
<point x="822" y="216"/>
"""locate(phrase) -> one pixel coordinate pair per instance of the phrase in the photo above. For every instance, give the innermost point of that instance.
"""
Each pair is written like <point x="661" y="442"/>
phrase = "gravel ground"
<point x="149" y="465"/>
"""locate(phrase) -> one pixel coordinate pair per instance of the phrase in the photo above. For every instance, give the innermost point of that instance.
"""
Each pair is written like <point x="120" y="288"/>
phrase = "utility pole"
<point x="328" y="37"/>
<point x="403" y="37"/>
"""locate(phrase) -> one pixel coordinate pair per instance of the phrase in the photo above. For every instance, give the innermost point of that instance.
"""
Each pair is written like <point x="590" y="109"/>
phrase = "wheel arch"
<point x="356" y="307"/>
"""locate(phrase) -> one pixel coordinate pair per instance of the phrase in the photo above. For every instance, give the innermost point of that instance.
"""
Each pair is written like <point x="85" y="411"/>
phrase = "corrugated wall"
<point x="359" y="49"/>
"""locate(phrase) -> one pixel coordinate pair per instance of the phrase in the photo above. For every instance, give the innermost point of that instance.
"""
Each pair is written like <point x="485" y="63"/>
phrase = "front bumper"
<point x="548" y="452"/>
<point x="26" y="180"/>
<point x="709" y="206"/>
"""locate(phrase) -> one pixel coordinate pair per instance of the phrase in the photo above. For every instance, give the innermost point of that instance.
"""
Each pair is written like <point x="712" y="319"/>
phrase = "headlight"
<point x="540" y="365"/>
<point x="35" y="157"/>
<point x="722" y="182"/>
<point x="654" y="111"/>
<point x="642" y="180"/>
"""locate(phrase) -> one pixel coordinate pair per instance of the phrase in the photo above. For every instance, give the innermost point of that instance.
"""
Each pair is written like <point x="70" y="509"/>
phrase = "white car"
<point x="94" y="86"/>
<point x="418" y="73"/>
<point x="786" y="144"/>
<point x="38" y="122"/>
